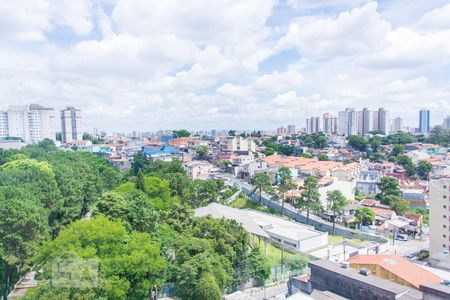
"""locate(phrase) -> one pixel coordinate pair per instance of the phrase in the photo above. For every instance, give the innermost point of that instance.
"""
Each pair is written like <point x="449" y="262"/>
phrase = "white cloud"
<point x="139" y="64"/>
<point x="360" y="30"/>
<point x="436" y="19"/>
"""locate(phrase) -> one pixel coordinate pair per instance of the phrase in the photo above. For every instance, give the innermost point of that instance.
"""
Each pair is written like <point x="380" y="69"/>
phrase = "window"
<point x="444" y="236"/>
<point x="445" y="206"/>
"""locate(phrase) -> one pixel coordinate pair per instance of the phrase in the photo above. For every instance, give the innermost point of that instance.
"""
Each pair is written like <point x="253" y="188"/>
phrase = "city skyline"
<point x="148" y="67"/>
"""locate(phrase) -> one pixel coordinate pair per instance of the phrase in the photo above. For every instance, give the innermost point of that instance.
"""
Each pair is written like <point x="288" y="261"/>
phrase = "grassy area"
<point x="242" y="202"/>
<point x="274" y="254"/>
<point x="337" y="239"/>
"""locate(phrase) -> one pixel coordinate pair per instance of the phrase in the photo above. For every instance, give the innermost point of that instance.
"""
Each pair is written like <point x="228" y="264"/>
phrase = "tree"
<point x="423" y="169"/>
<point x="284" y="184"/>
<point x="397" y="150"/>
<point x="181" y="133"/>
<point x="408" y="164"/>
<point x="23" y="227"/>
<point x="323" y="157"/>
<point x="232" y="132"/>
<point x="310" y="197"/>
<point x="336" y="201"/>
<point x="261" y="182"/>
<point x="388" y="187"/>
<point x="139" y="163"/>
<point x="130" y="262"/>
<point x="397" y="203"/>
<point x="306" y="155"/>
<point x="202" y="151"/>
<point x="296" y="262"/>
<point x="358" y="142"/>
<point x="319" y="140"/>
<point x="364" y="216"/>
<point x="439" y="136"/>
<point x="375" y="144"/>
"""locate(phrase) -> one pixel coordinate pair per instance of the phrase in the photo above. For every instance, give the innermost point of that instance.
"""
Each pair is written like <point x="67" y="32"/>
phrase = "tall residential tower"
<point x="71" y="125"/>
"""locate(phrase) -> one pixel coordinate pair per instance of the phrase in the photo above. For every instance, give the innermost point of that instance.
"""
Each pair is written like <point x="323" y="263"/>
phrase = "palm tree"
<point x="284" y="184"/>
<point x="336" y="201"/>
<point x="261" y="182"/>
<point x="310" y="197"/>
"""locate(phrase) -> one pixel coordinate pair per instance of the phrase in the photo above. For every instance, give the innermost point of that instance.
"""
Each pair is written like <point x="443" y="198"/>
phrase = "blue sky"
<point x="255" y="64"/>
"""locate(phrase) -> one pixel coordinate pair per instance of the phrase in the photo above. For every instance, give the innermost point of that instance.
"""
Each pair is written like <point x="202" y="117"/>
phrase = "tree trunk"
<point x="307" y="215"/>
<point x="334" y="219"/>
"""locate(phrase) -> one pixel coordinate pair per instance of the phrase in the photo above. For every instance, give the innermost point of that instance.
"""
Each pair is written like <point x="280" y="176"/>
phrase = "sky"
<point x="255" y="64"/>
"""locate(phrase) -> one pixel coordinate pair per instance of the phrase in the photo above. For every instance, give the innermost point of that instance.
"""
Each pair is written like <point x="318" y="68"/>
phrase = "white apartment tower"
<point x="71" y="125"/>
<point x="383" y="120"/>
<point x="291" y="129"/>
<point x="3" y="124"/>
<point x="397" y="124"/>
<point x="348" y="124"/>
<point x="32" y="123"/>
<point x="439" y="218"/>
<point x="329" y="124"/>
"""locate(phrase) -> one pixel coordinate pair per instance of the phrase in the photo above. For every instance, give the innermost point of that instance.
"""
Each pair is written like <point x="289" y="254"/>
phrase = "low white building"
<point x="198" y="169"/>
<point x="292" y="235"/>
<point x="299" y="237"/>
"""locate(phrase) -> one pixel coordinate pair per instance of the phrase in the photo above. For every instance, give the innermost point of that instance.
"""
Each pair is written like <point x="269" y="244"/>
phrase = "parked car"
<point x="401" y="237"/>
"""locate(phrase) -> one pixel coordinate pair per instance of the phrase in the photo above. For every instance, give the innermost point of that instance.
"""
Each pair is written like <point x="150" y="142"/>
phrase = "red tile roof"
<point x="400" y="267"/>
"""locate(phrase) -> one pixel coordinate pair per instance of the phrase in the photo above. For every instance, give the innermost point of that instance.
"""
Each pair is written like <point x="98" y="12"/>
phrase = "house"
<point x="367" y="182"/>
<point x="347" y="172"/>
<point x="198" y="169"/>
<point x="394" y="268"/>
<point x="416" y="218"/>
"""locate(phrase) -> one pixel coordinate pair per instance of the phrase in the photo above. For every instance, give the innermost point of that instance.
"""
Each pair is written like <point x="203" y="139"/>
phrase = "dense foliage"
<point x="42" y="190"/>
<point x="142" y="232"/>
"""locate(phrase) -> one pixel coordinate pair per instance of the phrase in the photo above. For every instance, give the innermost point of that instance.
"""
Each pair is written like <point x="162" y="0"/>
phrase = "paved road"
<point x="404" y="248"/>
<point x="275" y="292"/>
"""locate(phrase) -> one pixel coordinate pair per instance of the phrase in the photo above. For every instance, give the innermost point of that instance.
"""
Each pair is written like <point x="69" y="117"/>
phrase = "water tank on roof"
<point x="364" y="272"/>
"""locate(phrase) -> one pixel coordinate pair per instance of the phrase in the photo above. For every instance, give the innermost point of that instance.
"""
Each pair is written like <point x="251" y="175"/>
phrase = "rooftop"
<point x="397" y="265"/>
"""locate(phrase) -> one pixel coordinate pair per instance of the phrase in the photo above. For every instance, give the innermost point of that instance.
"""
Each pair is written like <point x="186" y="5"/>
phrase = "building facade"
<point x="439" y="195"/>
<point x="348" y="122"/>
<point x="424" y="120"/>
<point x="71" y="125"/>
<point x="31" y="123"/>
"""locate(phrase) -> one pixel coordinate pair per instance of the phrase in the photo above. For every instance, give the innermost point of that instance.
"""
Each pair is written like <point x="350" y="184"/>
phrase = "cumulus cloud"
<point x="147" y="65"/>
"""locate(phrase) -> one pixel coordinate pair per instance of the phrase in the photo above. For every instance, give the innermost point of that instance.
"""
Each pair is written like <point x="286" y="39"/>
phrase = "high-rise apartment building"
<point x="330" y="124"/>
<point x="439" y="218"/>
<point x="397" y="124"/>
<point x="313" y="125"/>
<point x="32" y="123"/>
<point x="365" y="121"/>
<point x="3" y="124"/>
<point x="383" y="120"/>
<point x="291" y="129"/>
<point x="446" y="123"/>
<point x="348" y="122"/>
<point x="71" y="125"/>
<point x="424" y="120"/>
<point x="281" y="131"/>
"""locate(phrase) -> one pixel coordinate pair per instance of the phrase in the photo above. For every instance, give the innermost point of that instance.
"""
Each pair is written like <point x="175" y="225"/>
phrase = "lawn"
<point x="274" y="254"/>
<point x="242" y="202"/>
<point x="337" y="239"/>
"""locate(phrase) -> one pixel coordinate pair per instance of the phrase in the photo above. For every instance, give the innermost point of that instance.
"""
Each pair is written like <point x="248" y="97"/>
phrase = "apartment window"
<point x="445" y="196"/>
<point x="445" y="206"/>
<point x="444" y="226"/>
<point x="444" y="246"/>
<point x="444" y="236"/>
